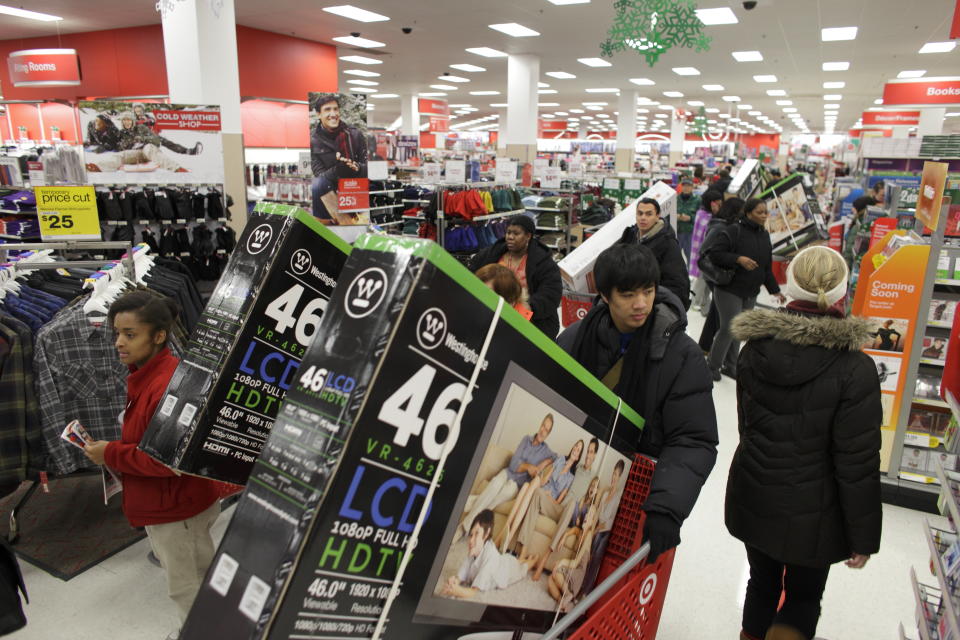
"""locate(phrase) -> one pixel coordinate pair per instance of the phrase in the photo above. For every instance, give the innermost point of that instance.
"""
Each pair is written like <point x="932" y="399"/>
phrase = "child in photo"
<point x="484" y="568"/>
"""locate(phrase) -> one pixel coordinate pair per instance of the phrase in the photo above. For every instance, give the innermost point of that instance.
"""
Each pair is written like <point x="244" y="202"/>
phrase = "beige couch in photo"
<point x="496" y="459"/>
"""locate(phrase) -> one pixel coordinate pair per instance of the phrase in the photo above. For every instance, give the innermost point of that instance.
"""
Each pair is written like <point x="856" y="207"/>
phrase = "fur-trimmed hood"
<point x="849" y="334"/>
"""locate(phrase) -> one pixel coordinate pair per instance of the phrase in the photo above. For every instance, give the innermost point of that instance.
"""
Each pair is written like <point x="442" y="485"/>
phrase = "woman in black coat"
<point x="533" y="264"/>
<point x="654" y="233"/>
<point x="744" y="247"/>
<point x="804" y="485"/>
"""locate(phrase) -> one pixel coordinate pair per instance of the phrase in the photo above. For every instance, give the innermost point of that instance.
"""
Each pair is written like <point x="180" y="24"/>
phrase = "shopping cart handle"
<point x="563" y="623"/>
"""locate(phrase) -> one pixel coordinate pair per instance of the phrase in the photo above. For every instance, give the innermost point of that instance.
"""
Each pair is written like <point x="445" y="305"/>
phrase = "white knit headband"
<point x="797" y="292"/>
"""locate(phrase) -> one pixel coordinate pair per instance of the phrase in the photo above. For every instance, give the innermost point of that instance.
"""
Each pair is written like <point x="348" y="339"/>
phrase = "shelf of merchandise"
<point x="950" y="494"/>
<point x="949" y="603"/>
<point x="931" y="403"/>
<point x="926" y="597"/>
<point x="946" y="282"/>
<point x="932" y="362"/>
<point x="940" y="325"/>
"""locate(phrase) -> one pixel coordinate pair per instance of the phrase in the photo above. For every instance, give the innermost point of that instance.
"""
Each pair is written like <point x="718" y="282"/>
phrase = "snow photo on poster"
<point x="338" y="151"/>
<point x="151" y="143"/>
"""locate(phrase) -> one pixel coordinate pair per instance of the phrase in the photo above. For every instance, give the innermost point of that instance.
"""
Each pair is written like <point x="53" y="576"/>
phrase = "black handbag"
<point x="711" y="271"/>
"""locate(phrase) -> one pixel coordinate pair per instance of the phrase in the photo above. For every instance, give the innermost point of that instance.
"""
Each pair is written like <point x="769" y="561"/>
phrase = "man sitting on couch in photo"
<point x="529" y="460"/>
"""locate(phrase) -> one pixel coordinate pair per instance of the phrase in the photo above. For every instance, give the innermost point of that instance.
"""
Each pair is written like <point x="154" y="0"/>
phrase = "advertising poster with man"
<point x="338" y="151"/>
<point x="151" y="143"/>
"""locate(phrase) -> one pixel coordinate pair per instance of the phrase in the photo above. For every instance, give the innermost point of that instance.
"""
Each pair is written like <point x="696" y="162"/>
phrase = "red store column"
<point x="200" y="45"/>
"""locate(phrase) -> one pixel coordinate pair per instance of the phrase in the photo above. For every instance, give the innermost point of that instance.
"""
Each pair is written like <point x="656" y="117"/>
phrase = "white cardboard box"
<point x="577" y="267"/>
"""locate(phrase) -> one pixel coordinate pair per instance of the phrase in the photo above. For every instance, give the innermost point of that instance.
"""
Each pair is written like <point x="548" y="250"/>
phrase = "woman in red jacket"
<point x="177" y="511"/>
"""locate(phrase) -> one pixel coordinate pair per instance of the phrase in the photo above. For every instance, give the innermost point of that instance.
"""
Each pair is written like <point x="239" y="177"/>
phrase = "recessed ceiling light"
<point x="747" y="56"/>
<point x="484" y="93"/>
<point x="833" y="96"/>
<point x="830" y="113"/>
<point x="755" y="113"/>
<point x="918" y="73"/>
<point x="514" y="29"/>
<point x="449" y="78"/>
<point x="458" y="106"/>
<point x="665" y="107"/>
<point x="695" y="103"/>
<point x="713" y="87"/>
<point x="364" y="90"/>
<point x="673" y="94"/>
<point x="366" y="83"/>
<point x="594" y="62"/>
<point x="834" y="85"/>
<point x="765" y="78"/>
<point x="720" y="15"/>
<point x="385" y="95"/>
<point x="542" y="85"/>
<point x="470" y="68"/>
<point x="784" y="103"/>
<point x="361" y="60"/>
<point x="724" y="115"/>
<point x="731" y="98"/>
<point x="789" y="109"/>
<point x="594" y="107"/>
<point x="499" y="105"/>
<point x="831" y="106"/>
<point x="561" y="75"/>
<point x="362" y="73"/>
<point x="561" y="113"/>
<point x="576" y="111"/>
<point x="937" y="47"/>
<point x="444" y="87"/>
<point x="486" y="52"/>
<point x="643" y="110"/>
<point x="354" y="13"/>
<point x="712" y="110"/>
<point x="878" y="101"/>
<point x="744" y="107"/>
<point x="363" y="43"/>
<point x="547" y="115"/>
<point x="595" y="104"/>
<point x="836" y="66"/>
<point x="566" y="2"/>
<point x="434" y="94"/>
<point x="831" y="34"/>
<point x="30" y="15"/>
<point x="603" y="90"/>
<point x="776" y="92"/>
<point x="643" y="82"/>
<point x="546" y="91"/>
<point x="686" y="71"/>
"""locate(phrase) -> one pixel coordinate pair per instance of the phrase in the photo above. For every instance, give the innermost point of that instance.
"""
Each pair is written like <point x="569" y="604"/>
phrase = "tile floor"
<point x="124" y="597"/>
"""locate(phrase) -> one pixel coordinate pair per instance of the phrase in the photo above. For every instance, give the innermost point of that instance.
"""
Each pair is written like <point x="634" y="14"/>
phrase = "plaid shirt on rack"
<point x="19" y="429"/>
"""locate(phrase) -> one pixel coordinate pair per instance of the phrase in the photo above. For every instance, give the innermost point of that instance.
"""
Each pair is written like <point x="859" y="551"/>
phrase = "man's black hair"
<point x="324" y="98"/>
<point x="596" y="445"/>
<point x="709" y="197"/>
<point x="863" y="202"/>
<point x="879" y="186"/>
<point x="626" y="267"/>
<point x="485" y="520"/>
<point x="656" y="205"/>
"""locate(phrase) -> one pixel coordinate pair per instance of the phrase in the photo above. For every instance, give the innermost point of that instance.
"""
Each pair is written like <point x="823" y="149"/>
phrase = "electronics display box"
<point x="244" y="353"/>
<point x="327" y="515"/>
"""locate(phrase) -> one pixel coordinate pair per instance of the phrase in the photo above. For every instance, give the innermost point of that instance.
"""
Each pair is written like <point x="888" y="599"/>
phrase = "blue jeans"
<point x="685" y="238"/>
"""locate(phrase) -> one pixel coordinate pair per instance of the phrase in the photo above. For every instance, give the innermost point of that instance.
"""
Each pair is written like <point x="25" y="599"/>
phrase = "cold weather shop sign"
<point x="44" y="68"/>
<point x="922" y="91"/>
<point x="891" y="117"/>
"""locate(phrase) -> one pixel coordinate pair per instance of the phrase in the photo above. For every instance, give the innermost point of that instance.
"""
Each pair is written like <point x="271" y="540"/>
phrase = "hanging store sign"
<point x="439" y="124"/>
<point x="922" y="91"/>
<point x="891" y="117"/>
<point x="433" y="107"/>
<point x="44" y="68"/>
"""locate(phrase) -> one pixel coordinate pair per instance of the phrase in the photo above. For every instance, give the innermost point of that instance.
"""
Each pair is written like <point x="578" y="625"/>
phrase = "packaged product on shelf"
<point x="928" y="387"/>
<point x="943" y="265"/>
<point x="914" y="460"/>
<point x="244" y="353"/>
<point x="956" y="269"/>
<point x="934" y="348"/>
<point x="947" y="461"/>
<point x="941" y="311"/>
<point x="435" y="386"/>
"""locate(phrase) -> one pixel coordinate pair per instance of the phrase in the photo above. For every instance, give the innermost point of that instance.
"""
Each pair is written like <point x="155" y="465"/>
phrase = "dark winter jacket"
<point x="137" y="136"/>
<point x="324" y="147"/>
<point x="674" y="399"/>
<point x="543" y="282"/>
<point x="666" y="249"/>
<point x="745" y="238"/>
<point x="104" y="140"/>
<point x="686" y="205"/>
<point x="804" y="485"/>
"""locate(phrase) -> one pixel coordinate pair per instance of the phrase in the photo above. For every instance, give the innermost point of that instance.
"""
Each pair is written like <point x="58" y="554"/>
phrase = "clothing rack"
<point x="443" y="187"/>
<point x="71" y="245"/>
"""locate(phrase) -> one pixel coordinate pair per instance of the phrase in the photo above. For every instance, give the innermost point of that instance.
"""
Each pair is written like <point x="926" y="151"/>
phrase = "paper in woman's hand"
<point x="75" y="434"/>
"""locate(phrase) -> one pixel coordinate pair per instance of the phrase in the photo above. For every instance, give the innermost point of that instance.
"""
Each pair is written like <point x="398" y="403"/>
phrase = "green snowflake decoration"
<point x="653" y="27"/>
<point x="699" y="126"/>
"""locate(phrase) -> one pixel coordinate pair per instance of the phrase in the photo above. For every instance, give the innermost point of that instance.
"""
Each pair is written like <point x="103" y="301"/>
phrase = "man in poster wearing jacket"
<point x="634" y="342"/>
<point x="337" y="151"/>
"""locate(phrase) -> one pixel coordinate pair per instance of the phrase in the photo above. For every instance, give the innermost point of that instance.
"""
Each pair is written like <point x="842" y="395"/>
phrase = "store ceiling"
<point x="786" y="32"/>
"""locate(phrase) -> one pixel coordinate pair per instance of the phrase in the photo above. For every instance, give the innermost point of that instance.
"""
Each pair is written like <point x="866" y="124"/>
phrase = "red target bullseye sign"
<point x="648" y="588"/>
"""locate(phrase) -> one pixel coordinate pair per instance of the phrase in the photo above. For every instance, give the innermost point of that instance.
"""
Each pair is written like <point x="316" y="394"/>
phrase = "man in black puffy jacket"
<point x="634" y="341"/>
<point x="653" y="232"/>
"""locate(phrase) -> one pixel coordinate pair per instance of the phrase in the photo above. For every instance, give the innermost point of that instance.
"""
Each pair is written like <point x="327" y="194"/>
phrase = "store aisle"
<point x="124" y="597"/>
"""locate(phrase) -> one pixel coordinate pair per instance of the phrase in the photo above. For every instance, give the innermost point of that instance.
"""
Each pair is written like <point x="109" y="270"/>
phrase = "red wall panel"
<point x="59" y="115"/>
<point x="25" y="115"/>
<point x="306" y="65"/>
<point x="274" y="124"/>
<point x="296" y="121"/>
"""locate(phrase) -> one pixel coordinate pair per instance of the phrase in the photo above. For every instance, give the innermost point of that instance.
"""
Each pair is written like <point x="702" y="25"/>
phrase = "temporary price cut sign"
<point x="67" y="213"/>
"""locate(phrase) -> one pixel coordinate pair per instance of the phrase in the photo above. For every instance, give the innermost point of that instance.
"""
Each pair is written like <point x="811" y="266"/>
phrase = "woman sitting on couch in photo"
<point x="557" y="484"/>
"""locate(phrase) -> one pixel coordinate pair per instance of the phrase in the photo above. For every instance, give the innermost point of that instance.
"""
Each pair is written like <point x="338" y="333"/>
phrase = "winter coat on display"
<point x="325" y="145"/>
<point x="744" y="238"/>
<point x="666" y="379"/>
<point x="152" y="493"/>
<point x="543" y="282"/>
<point x="666" y="249"/>
<point x="804" y="485"/>
<point x="102" y="140"/>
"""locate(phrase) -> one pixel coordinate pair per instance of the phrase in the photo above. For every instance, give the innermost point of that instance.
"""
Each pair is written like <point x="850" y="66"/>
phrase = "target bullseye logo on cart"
<point x="648" y="588"/>
<point x="432" y="328"/>
<point x="366" y="292"/>
<point x="259" y="239"/>
<point x="581" y="313"/>
<point x="301" y="261"/>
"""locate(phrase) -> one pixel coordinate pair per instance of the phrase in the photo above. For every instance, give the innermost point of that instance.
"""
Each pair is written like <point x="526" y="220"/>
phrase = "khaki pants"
<point x="147" y="153"/>
<point x="185" y="549"/>
<point x="500" y="489"/>
<point x="541" y="503"/>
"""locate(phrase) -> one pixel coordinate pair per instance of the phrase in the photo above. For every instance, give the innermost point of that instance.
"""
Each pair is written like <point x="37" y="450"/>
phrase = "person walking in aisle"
<point x="709" y="206"/>
<point x="653" y="232"/>
<point x="687" y="206"/>
<point x="804" y="490"/>
<point x="176" y="510"/>
<point x="729" y="212"/>
<point x="633" y="340"/>
<point x="744" y="247"/>
<point x="533" y="264"/>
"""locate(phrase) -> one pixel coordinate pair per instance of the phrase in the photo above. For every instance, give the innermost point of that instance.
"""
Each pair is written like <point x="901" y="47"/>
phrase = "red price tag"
<point x="353" y="194"/>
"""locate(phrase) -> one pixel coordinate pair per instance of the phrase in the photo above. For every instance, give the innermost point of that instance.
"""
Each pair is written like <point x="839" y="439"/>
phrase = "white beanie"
<point x="797" y="292"/>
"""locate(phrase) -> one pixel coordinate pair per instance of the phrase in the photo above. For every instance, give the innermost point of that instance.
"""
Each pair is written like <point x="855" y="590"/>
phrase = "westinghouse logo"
<point x="365" y="292"/>
<point x="259" y="239"/>
<point x="431" y="328"/>
<point x="301" y="261"/>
